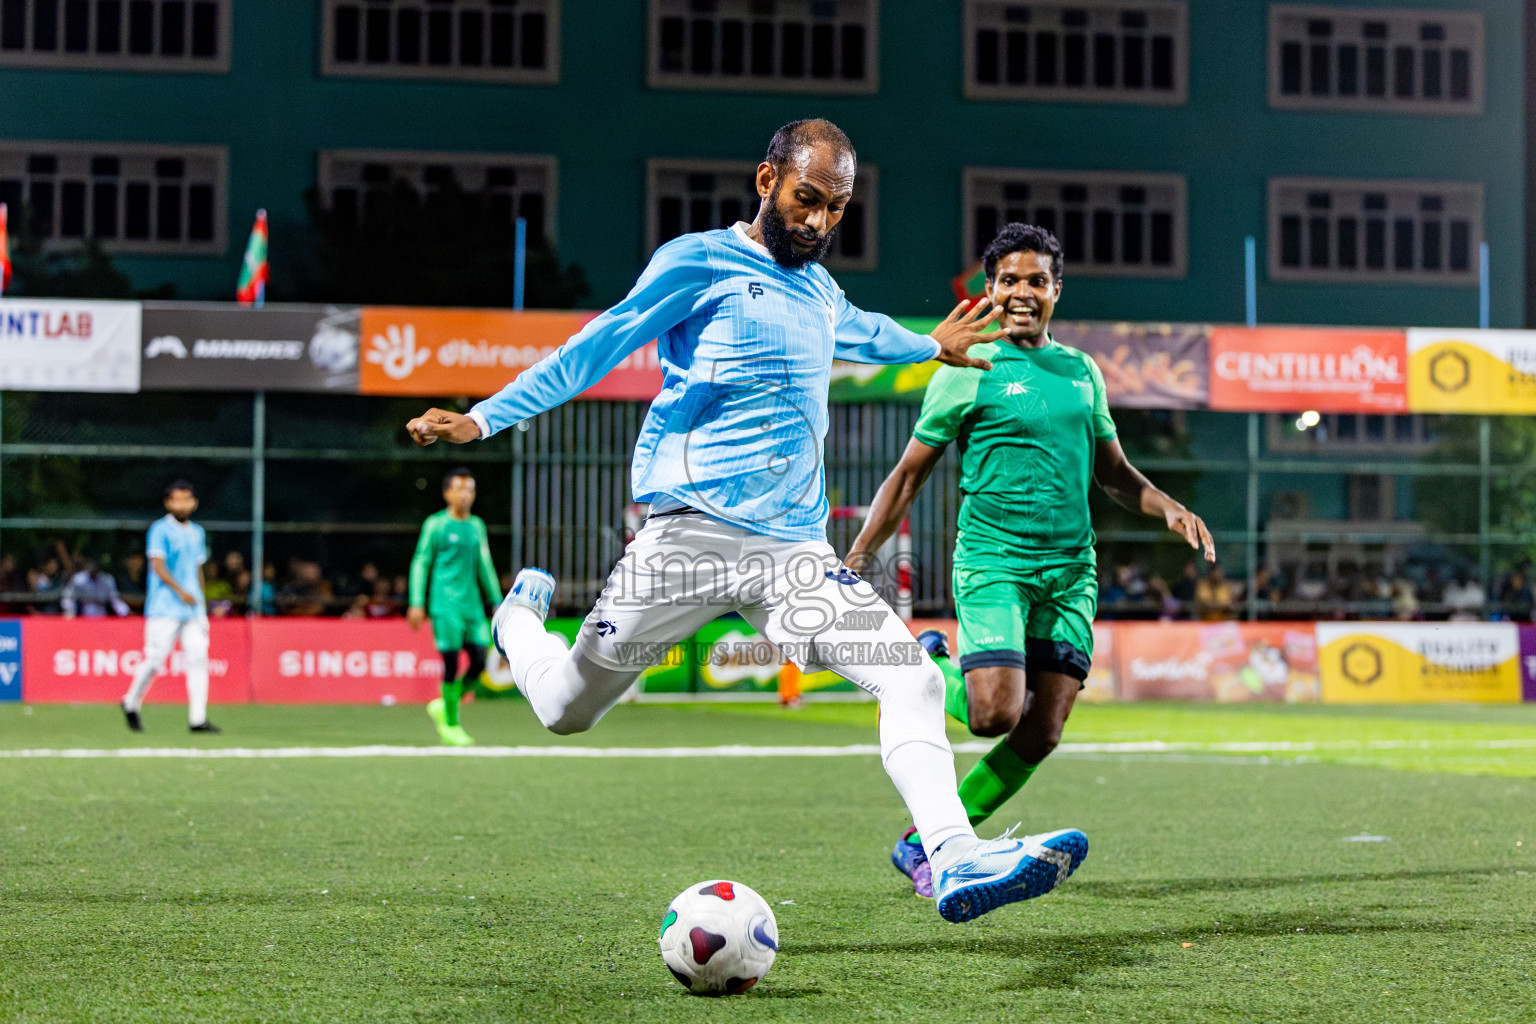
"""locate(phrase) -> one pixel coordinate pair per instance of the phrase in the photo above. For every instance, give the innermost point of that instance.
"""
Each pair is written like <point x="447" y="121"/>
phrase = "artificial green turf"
<point x="430" y="889"/>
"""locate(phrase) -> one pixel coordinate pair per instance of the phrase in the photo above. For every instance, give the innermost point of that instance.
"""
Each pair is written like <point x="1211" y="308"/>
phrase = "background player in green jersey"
<point x="452" y="580"/>
<point x="1034" y="432"/>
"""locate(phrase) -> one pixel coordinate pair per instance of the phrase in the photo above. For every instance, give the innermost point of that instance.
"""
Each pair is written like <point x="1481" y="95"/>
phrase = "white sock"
<point x="197" y="690"/>
<point x="133" y="700"/>
<point x="924" y="775"/>
<point x="568" y="692"/>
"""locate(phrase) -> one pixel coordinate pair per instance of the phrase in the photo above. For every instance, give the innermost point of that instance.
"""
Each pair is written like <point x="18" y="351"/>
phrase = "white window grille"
<point x="766" y="45"/>
<point x="134" y="35"/>
<point x="514" y="41"/>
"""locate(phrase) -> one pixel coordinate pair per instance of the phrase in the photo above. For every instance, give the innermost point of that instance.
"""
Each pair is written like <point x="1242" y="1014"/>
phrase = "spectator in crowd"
<point x="91" y="594"/>
<point x="11" y="582"/>
<point x="1464" y="598"/>
<point x="382" y="604"/>
<point x="1515" y="598"/>
<point x="1215" y="600"/>
<point x="307" y="591"/>
<point x="48" y="579"/>
<point x="130" y="579"/>
<point x="1183" y="589"/>
<point x="1432" y="591"/>
<point x="218" y="590"/>
<point x="267" y="605"/>
<point x="1111" y="595"/>
<point x="1169" y="607"/>
<point x="1405" y="603"/>
<point x="357" y="608"/>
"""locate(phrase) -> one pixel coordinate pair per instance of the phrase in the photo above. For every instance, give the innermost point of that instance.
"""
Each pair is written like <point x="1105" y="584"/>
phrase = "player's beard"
<point x="776" y="235"/>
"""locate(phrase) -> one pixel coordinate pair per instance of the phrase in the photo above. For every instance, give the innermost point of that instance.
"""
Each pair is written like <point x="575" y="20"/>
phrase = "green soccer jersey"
<point x="1026" y="431"/>
<point x="452" y="573"/>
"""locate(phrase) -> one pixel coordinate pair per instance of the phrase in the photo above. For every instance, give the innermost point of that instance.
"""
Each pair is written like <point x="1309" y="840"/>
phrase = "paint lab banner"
<point x="1145" y="366"/>
<point x="1291" y="369"/>
<point x="219" y="347"/>
<point x="92" y="661"/>
<point x="68" y="345"/>
<point x="1419" y="662"/>
<point x="1221" y="661"/>
<point x="1470" y="371"/>
<point x="477" y="352"/>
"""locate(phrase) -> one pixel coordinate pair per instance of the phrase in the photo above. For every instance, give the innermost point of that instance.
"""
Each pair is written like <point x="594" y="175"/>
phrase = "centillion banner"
<point x="1471" y="371"/>
<point x="1419" y="662"/>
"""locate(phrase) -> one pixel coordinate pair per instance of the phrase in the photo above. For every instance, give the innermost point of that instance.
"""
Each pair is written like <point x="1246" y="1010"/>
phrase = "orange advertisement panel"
<point x="1293" y="369"/>
<point x="1221" y="661"/>
<point x="476" y="352"/>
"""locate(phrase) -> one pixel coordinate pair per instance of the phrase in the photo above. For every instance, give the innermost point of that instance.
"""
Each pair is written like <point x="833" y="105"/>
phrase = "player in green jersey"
<point x="1034" y="432"/>
<point x="452" y="580"/>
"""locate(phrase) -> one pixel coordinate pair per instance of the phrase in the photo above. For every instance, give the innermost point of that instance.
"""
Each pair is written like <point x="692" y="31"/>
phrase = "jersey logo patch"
<point x="1015" y="389"/>
<point x="754" y="289"/>
<point x="845" y="576"/>
<point x="605" y="628"/>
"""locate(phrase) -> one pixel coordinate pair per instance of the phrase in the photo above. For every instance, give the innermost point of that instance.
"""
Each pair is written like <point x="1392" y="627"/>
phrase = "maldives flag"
<point x="5" y="254"/>
<point x="971" y="283"/>
<point x="251" y="290"/>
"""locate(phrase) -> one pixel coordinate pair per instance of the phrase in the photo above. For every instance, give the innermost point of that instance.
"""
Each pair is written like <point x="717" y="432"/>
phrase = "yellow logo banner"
<point x="1419" y="663"/>
<point x="1471" y="371"/>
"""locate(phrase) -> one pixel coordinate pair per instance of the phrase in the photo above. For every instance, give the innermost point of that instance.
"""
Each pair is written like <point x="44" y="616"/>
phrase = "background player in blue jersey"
<point x="730" y="460"/>
<point x="175" y="608"/>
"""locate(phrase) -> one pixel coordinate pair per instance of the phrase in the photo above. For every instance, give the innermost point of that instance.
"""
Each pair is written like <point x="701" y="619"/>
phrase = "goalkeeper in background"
<point x="452" y="580"/>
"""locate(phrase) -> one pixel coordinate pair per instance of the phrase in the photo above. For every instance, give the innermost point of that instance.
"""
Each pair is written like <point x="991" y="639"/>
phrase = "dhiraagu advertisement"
<point x="1471" y="371"/>
<point x="1419" y="663"/>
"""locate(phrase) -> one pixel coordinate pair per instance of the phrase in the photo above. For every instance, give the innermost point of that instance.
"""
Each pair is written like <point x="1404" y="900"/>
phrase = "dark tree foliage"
<point x="441" y="249"/>
<point x="83" y="273"/>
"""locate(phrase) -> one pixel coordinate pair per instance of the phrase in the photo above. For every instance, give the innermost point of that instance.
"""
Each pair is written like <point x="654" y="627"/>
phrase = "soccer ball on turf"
<point x="718" y="938"/>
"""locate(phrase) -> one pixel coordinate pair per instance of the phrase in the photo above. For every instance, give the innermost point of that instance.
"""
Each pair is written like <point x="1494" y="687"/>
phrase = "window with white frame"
<point x="1427" y="61"/>
<point x="353" y="183"/>
<point x="479" y="40"/>
<point x="1326" y="229"/>
<point x="702" y="195"/>
<point x="130" y="198"/>
<point x="138" y="35"/>
<point x="1354" y="432"/>
<point x="1109" y="223"/>
<point x="768" y="45"/>
<point x="1101" y="51"/>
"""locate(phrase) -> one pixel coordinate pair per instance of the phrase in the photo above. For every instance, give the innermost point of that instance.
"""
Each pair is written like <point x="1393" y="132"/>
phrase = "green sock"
<point x="451" y="693"/>
<point x="996" y="777"/>
<point x="956" y="702"/>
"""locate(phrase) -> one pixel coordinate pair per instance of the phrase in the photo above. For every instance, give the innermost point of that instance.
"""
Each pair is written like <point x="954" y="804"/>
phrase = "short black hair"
<point x="797" y="135"/>
<point x="180" y="485"/>
<point x="1016" y="237"/>
<point x="455" y="473"/>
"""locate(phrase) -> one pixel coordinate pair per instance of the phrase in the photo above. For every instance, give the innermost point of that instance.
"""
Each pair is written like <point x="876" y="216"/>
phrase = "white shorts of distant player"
<point x="683" y="571"/>
<point x="161" y="634"/>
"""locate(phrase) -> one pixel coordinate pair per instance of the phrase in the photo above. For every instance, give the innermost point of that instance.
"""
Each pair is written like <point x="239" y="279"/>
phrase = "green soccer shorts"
<point x="1039" y="619"/>
<point x="452" y="631"/>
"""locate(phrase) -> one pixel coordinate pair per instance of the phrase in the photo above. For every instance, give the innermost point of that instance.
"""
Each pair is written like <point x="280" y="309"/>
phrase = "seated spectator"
<point x="1111" y="595"/>
<point x="307" y="592"/>
<point x="1515" y="598"/>
<point x="47" y="582"/>
<point x="357" y="609"/>
<point x="1215" y="600"/>
<point x="1183" y="589"/>
<point x="91" y="594"/>
<point x="381" y="605"/>
<point x="1405" y="603"/>
<point x="11" y="582"/>
<point x="218" y="591"/>
<point x="268" y="603"/>
<point x="130" y="580"/>
<point x="1464" y="598"/>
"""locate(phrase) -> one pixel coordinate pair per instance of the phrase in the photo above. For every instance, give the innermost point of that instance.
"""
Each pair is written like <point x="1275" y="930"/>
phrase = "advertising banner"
<point x="10" y="660"/>
<point x="674" y="674"/>
<point x="342" y="661"/>
<point x="92" y="661"/>
<point x="1419" y="662"/>
<point x="1145" y="366"/>
<point x="1293" y="369"/>
<point x="1471" y="371"/>
<point x="1528" y="662"/>
<point x="476" y="352"/>
<point x="1221" y="661"/>
<point x="219" y="347"/>
<point x="68" y="345"/>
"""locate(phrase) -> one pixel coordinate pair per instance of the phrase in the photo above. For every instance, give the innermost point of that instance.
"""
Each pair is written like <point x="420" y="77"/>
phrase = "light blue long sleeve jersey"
<point x="746" y="349"/>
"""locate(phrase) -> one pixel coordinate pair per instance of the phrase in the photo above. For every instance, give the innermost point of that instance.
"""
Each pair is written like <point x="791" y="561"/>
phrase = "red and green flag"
<point x="5" y="254"/>
<point x="970" y="283"/>
<point x="252" y="289"/>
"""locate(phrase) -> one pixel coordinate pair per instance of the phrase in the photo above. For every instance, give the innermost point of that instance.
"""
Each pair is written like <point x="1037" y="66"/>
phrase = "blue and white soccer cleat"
<point x="533" y="589"/>
<point x="935" y="642"/>
<point x="909" y="858"/>
<point x="1006" y="870"/>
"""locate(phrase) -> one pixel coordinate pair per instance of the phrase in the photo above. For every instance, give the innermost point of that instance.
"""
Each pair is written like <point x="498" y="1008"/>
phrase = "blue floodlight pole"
<point x="1483" y="292"/>
<point x="519" y="262"/>
<point x="1251" y="280"/>
<point x="1251" y="317"/>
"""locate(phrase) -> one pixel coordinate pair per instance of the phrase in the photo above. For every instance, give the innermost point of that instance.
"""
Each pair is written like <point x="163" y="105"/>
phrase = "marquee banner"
<point x="1419" y="662"/>
<point x="1471" y="371"/>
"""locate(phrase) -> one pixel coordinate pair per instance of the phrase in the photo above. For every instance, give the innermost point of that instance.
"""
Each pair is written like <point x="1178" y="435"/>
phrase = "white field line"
<point x="852" y="750"/>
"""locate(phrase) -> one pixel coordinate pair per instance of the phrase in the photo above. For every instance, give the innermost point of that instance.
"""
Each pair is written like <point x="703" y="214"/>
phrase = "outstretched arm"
<point x="893" y="501"/>
<point x="673" y="287"/>
<point x="1126" y="484"/>
<point x="864" y="337"/>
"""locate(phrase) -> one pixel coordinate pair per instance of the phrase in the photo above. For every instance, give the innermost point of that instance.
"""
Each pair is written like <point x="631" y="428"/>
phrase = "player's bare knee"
<point x="992" y="711"/>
